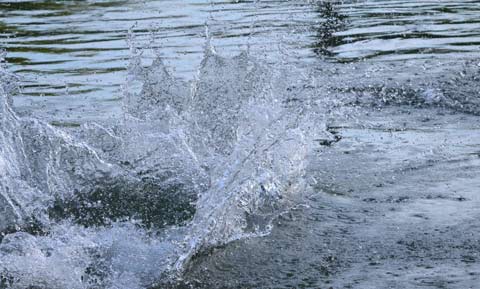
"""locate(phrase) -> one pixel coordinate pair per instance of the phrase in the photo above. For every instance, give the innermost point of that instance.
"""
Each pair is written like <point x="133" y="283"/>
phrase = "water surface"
<point x="239" y="144"/>
<point x="78" y="50"/>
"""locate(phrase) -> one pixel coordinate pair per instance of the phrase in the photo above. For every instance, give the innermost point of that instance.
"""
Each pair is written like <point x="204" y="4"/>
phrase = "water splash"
<point x="187" y="167"/>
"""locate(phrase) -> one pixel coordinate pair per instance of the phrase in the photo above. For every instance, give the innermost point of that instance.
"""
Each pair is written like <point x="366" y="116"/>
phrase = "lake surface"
<point x="78" y="50"/>
<point x="240" y="144"/>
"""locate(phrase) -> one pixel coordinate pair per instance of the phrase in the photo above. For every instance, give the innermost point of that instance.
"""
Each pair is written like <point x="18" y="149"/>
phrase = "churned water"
<point x="239" y="144"/>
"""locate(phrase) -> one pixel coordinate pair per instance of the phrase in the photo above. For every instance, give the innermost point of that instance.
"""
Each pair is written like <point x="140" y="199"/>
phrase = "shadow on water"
<point x="332" y="21"/>
<point x="392" y="30"/>
<point x="148" y="204"/>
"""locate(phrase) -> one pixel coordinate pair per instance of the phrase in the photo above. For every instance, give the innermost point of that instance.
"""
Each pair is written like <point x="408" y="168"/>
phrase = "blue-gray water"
<point x="78" y="50"/>
<point x="240" y="144"/>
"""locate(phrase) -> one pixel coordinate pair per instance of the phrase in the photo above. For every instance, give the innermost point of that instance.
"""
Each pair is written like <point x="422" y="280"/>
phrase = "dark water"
<point x="340" y="149"/>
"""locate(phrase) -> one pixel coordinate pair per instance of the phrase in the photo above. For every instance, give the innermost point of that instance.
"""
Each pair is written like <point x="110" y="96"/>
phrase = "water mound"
<point x="186" y="167"/>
